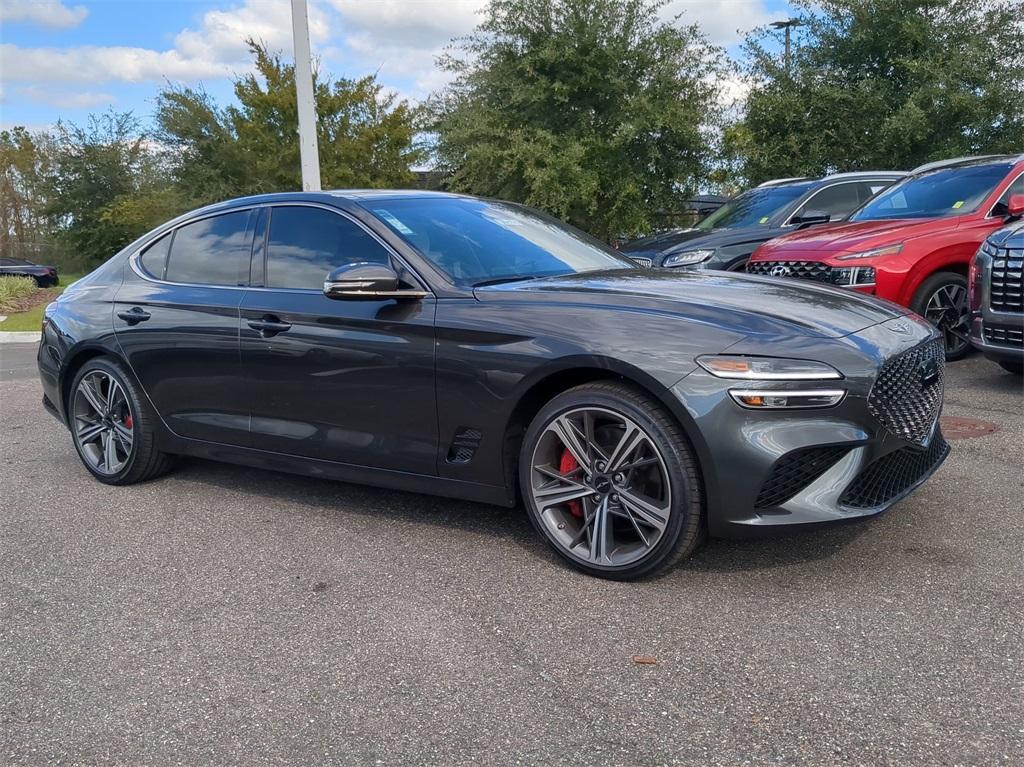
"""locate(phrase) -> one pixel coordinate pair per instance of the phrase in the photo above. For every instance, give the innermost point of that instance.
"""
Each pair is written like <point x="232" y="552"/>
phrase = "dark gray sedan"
<point x="481" y="350"/>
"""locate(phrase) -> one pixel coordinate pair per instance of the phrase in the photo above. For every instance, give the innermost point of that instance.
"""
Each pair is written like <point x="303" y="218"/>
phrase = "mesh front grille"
<point x="1007" y="285"/>
<point x="802" y="270"/>
<point x="892" y="475"/>
<point x="907" y="395"/>
<point x="795" y="471"/>
<point x="1005" y="336"/>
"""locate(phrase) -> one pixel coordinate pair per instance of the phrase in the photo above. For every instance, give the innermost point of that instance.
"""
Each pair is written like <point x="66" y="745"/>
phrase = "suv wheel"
<point x="942" y="300"/>
<point x="112" y="425"/>
<point x="611" y="483"/>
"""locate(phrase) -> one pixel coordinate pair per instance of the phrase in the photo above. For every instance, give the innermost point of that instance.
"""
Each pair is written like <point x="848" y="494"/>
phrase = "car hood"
<point x="657" y="248"/>
<point x="658" y="243"/>
<point x="744" y="303"/>
<point x="856" y="235"/>
<point x="1009" y="237"/>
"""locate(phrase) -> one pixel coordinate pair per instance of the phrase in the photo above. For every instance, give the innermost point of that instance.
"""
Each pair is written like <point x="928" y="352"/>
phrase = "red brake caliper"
<point x="566" y="465"/>
<point x="128" y="421"/>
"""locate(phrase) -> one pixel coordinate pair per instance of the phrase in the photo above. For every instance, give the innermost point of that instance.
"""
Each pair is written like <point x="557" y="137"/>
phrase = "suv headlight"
<point x="888" y="250"/>
<point x="767" y="368"/>
<point x="688" y="257"/>
<point x="851" y="276"/>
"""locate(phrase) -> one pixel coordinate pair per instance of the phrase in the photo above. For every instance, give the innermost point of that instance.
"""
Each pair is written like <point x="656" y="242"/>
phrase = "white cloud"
<point x="214" y="49"/>
<point x="49" y="13"/>
<point x="65" y="99"/>
<point x="723" y="21"/>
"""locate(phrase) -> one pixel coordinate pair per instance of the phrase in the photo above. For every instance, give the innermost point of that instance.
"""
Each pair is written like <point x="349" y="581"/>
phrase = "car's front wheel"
<point x="942" y="300"/>
<point x="112" y="425"/>
<point x="610" y="481"/>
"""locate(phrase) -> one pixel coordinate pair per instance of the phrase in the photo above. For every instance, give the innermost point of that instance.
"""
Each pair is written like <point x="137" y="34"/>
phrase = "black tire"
<point x="685" y="528"/>
<point x="144" y="460"/>
<point x="955" y="330"/>
<point x="1017" y="368"/>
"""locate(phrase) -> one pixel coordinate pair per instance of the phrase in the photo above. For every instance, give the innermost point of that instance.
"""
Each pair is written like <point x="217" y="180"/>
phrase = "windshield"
<point x="937" y="193"/>
<point x="752" y="208"/>
<point x="479" y="241"/>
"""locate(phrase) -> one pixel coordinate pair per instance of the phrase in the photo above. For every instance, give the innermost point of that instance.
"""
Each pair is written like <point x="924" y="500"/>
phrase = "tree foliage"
<point x="883" y="84"/>
<point x="24" y="188"/>
<point x="590" y="109"/>
<point x="366" y="135"/>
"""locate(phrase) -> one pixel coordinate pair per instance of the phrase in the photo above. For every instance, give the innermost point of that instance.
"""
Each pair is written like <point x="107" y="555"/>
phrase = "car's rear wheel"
<point x="112" y="425"/>
<point x="942" y="300"/>
<point x="610" y="481"/>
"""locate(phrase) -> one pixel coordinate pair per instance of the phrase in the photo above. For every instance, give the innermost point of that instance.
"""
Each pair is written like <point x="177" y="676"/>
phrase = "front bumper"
<point x="776" y="468"/>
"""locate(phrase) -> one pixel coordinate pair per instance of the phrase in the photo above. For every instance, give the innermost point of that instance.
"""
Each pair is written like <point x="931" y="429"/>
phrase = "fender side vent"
<point x="464" y="445"/>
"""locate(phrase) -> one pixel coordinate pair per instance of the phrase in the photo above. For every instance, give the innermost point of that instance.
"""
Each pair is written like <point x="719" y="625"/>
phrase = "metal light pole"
<point x="309" y="152"/>
<point x="787" y="25"/>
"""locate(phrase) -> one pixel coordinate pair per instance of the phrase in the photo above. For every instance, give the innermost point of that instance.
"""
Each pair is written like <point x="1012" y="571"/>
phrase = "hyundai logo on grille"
<point x="779" y="270"/>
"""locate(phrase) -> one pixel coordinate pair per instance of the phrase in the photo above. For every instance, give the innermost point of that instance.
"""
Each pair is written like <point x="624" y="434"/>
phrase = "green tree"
<point x="24" y="173"/>
<point x="94" y="168"/>
<point x="366" y="135"/>
<point x="883" y="84"/>
<point x="590" y="109"/>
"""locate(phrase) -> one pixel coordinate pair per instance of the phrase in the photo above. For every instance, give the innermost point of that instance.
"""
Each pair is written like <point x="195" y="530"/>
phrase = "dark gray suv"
<point x="996" y="285"/>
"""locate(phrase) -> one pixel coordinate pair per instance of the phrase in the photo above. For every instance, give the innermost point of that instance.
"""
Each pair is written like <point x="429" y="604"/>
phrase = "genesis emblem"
<point x="899" y="326"/>
<point x="779" y="270"/>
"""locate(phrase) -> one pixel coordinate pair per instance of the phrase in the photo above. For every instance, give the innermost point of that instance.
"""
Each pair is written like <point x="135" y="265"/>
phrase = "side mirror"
<point x="811" y="217"/>
<point x="364" y="281"/>
<point x="1015" y="205"/>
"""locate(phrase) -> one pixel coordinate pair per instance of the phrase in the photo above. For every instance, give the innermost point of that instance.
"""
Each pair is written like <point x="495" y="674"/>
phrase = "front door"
<point x="341" y="380"/>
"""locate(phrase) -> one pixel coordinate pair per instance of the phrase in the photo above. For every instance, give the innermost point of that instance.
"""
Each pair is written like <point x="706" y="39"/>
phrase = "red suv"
<point x="913" y="242"/>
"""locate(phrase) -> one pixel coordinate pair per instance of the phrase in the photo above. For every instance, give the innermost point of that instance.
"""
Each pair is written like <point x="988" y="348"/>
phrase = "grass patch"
<point x="36" y="299"/>
<point x="14" y="292"/>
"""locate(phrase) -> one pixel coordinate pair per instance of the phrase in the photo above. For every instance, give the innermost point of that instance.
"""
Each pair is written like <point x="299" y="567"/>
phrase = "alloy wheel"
<point x="600" y="486"/>
<point x="947" y="310"/>
<point x="103" y="424"/>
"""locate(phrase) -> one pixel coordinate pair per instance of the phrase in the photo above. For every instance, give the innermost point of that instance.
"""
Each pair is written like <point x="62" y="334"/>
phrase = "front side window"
<point x="211" y="251"/>
<point x="937" y="193"/>
<point x="838" y="201"/>
<point x="1003" y="206"/>
<point x="305" y="244"/>
<point x="753" y="208"/>
<point x="480" y="241"/>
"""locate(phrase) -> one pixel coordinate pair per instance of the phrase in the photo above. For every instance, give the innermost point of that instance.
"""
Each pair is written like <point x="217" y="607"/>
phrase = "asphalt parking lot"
<point x="224" y="615"/>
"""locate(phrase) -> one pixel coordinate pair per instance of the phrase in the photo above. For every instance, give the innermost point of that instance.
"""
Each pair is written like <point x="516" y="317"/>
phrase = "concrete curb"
<point x="19" y="337"/>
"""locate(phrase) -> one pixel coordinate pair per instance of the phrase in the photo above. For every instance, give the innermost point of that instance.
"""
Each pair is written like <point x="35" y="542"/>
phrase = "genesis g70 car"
<point x="484" y="351"/>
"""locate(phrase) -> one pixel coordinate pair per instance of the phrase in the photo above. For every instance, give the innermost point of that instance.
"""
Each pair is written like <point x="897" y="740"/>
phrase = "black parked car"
<point x="45" y="276"/>
<point x="481" y="350"/>
<point x="996" y="287"/>
<point x="726" y="238"/>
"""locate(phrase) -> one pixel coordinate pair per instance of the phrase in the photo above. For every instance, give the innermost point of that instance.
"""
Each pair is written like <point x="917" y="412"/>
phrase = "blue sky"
<point x="68" y="59"/>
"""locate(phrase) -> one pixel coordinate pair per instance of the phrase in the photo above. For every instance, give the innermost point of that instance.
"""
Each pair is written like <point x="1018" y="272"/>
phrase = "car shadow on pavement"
<point x="328" y="497"/>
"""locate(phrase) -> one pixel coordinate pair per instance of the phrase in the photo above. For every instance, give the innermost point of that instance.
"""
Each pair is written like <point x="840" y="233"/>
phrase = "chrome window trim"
<point x="133" y="259"/>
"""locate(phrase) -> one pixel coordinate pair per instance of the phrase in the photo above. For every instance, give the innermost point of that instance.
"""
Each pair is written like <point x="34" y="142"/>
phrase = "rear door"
<point x="350" y="381"/>
<point x="176" y="320"/>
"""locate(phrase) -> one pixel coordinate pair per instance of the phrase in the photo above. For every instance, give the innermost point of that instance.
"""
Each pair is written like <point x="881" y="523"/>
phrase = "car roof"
<point x="812" y="183"/>
<point x="964" y="162"/>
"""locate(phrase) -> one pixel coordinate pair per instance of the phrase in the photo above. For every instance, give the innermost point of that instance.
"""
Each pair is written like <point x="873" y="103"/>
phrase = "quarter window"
<point x="211" y="251"/>
<point x="305" y="244"/>
<point x="154" y="257"/>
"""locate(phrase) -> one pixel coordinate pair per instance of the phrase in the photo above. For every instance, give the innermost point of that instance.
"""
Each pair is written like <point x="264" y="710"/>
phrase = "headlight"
<point x="850" y="276"/>
<point x="688" y="257"/>
<point x="767" y="368"/>
<point x="889" y="250"/>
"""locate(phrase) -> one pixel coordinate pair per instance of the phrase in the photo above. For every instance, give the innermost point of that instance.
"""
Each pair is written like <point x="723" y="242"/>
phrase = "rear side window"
<point x="305" y="244"/>
<point x="154" y="258"/>
<point x="212" y="251"/>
